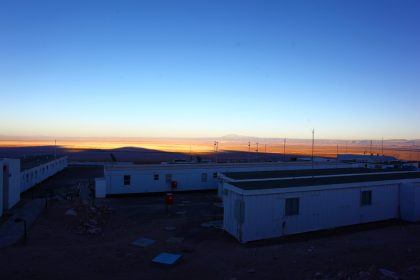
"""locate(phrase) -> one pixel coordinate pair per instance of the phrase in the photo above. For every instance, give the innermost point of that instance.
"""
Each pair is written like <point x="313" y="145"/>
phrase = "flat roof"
<point x="317" y="181"/>
<point x="34" y="161"/>
<point x="212" y="165"/>
<point x="251" y="175"/>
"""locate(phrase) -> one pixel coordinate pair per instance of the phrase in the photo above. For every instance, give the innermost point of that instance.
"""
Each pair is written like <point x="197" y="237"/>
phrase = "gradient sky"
<point x="351" y="69"/>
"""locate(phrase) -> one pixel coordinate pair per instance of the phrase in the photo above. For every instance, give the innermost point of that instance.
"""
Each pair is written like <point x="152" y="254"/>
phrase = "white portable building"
<point x="131" y="178"/>
<point x="229" y="177"/>
<point x="9" y="183"/>
<point x="41" y="170"/>
<point x="255" y="210"/>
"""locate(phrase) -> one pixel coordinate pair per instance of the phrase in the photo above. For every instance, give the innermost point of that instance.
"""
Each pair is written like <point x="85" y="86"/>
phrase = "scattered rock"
<point x="319" y="275"/>
<point x="94" y="231"/>
<point x="169" y="228"/>
<point x="414" y="268"/>
<point x="216" y="224"/>
<point x="340" y="275"/>
<point x="363" y="275"/>
<point x="71" y="212"/>
<point x="389" y="274"/>
<point x="311" y="249"/>
<point x="252" y="270"/>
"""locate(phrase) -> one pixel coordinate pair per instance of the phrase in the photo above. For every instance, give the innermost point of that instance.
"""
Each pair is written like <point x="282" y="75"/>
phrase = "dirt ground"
<point x="61" y="246"/>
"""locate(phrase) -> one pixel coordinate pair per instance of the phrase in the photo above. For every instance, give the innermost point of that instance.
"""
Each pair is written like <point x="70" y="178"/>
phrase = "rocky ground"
<point x="78" y="239"/>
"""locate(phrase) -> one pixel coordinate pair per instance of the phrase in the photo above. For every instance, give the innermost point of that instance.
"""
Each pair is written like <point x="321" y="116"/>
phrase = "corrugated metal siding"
<point x="230" y="222"/>
<point x="265" y="214"/>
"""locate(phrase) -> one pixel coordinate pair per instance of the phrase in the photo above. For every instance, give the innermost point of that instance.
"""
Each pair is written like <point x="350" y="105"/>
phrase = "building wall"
<point x="10" y="190"/>
<point x="35" y="175"/>
<point x="100" y="187"/>
<point x="188" y="177"/>
<point x="1" y="187"/>
<point x="410" y="202"/>
<point x="233" y="213"/>
<point x="264" y="214"/>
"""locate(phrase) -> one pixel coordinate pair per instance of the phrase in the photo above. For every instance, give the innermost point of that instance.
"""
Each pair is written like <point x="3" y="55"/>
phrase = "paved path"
<point x="10" y="231"/>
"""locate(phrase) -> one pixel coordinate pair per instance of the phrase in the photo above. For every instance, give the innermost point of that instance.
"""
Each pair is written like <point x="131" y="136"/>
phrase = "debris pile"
<point x="91" y="217"/>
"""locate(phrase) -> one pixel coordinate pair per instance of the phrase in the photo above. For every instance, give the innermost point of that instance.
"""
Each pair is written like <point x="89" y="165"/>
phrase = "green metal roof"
<point x="31" y="162"/>
<point x="301" y="173"/>
<point x="317" y="181"/>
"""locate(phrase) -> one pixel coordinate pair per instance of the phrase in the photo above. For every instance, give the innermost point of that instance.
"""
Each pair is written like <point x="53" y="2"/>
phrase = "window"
<point x="292" y="206"/>
<point x="156" y="177"/>
<point x="127" y="180"/>
<point x="168" y="178"/>
<point x="366" y="198"/>
<point x="203" y="177"/>
<point x="215" y="175"/>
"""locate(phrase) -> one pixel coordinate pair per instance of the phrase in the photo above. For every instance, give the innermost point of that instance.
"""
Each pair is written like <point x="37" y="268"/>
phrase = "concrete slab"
<point x="166" y="258"/>
<point x="143" y="242"/>
<point x="175" y="240"/>
<point x="10" y="231"/>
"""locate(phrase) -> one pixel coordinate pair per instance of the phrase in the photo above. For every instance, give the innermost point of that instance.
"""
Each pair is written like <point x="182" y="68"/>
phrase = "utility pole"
<point x="382" y="148"/>
<point x="257" y="151"/>
<point x="337" y="152"/>
<point x="371" y="147"/>
<point x="216" y="148"/>
<point x="249" y="151"/>
<point x="313" y="142"/>
<point x="284" y="149"/>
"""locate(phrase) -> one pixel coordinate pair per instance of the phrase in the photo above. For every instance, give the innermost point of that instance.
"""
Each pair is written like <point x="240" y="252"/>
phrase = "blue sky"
<point x="351" y="69"/>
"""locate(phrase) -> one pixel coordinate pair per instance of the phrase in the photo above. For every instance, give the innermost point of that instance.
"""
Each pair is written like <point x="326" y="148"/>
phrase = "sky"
<point x="349" y="69"/>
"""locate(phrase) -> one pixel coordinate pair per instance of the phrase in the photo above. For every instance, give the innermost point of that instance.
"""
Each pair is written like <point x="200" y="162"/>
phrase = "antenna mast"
<point x="284" y="149"/>
<point x="313" y="142"/>
<point x="382" y="144"/>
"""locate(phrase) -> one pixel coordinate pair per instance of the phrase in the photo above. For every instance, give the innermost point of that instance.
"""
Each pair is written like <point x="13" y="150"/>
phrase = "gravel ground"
<point x="94" y="242"/>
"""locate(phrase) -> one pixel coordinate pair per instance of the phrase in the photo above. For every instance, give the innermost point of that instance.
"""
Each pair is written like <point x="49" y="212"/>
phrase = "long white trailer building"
<point x="261" y="209"/>
<point x="132" y="178"/>
<point x="37" y="172"/>
<point x="17" y="176"/>
<point x="231" y="177"/>
<point x="9" y="183"/>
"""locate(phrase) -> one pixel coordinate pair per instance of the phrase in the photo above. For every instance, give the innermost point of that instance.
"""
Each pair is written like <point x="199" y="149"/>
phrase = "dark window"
<point x="215" y="175"/>
<point x="203" y="177"/>
<point x="366" y="198"/>
<point x="156" y="177"/>
<point x="292" y="206"/>
<point x="127" y="180"/>
<point x="168" y="178"/>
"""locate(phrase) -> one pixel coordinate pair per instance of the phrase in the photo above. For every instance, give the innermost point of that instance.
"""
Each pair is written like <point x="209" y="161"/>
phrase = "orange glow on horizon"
<point x="205" y="146"/>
